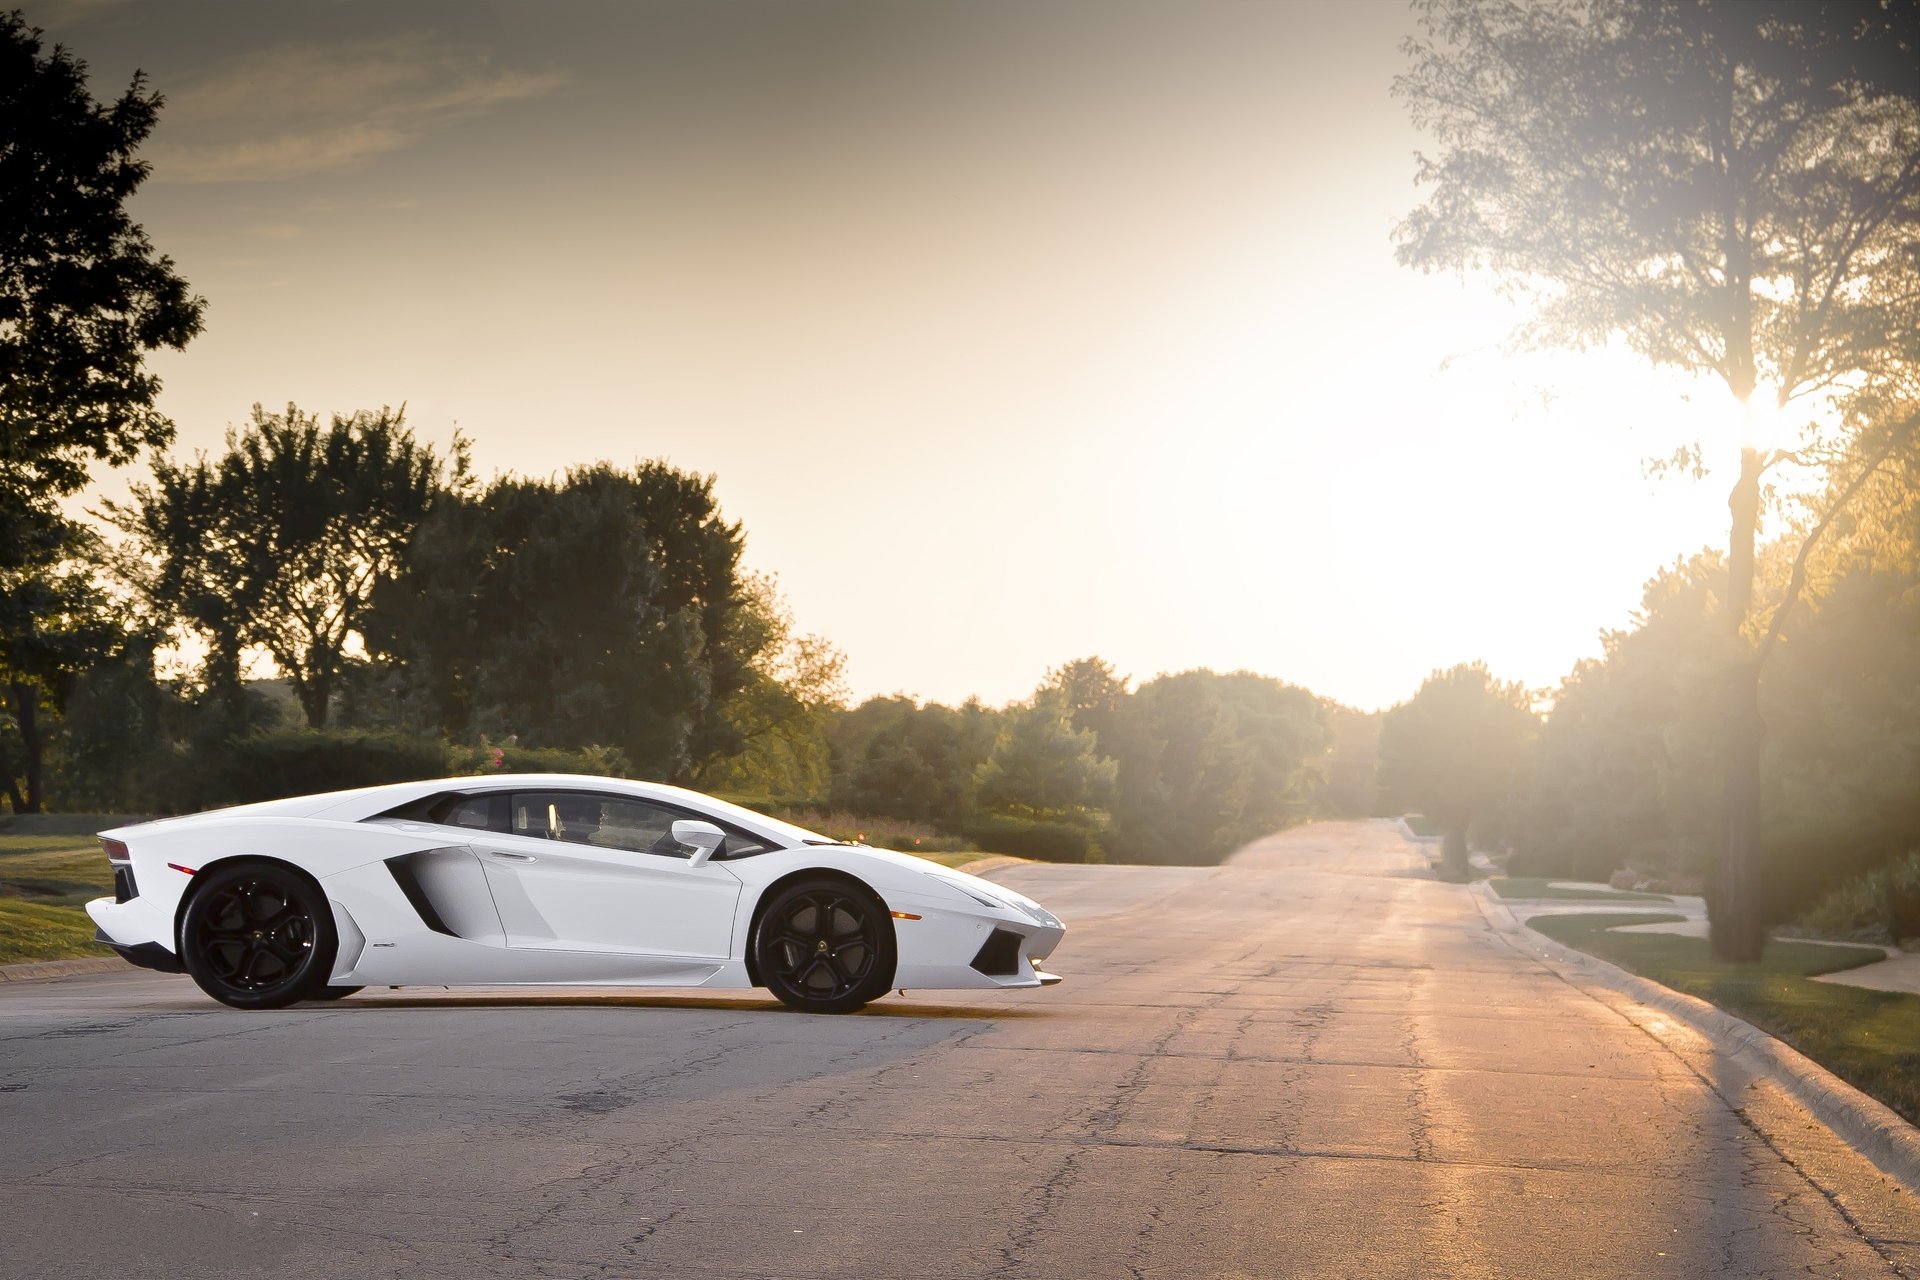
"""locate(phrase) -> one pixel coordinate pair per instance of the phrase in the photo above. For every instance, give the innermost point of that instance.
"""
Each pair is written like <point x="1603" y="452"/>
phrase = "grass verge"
<point x="1870" y="1039"/>
<point x="45" y="880"/>
<point x="1535" y="888"/>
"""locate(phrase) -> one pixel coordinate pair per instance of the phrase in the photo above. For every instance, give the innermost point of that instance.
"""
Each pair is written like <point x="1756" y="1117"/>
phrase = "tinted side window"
<point x="605" y="822"/>
<point x="614" y="822"/>
<point x="474" y="813"/>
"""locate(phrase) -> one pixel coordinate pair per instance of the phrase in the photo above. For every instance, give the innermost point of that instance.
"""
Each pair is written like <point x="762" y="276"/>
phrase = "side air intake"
<point x="1000" y="955"/>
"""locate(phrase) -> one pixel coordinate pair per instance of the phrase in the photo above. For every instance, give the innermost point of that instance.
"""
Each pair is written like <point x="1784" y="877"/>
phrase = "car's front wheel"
<point x="258" y="935"/>
<point x="825" y="946"/>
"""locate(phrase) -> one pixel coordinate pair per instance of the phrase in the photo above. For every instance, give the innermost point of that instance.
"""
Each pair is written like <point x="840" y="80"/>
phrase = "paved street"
<point x="1312" y="1062"/>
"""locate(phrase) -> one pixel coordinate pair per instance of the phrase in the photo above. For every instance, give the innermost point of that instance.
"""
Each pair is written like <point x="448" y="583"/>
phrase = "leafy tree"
<point x="898" y="759"/>
<point x="281" y="543"/>
<point x="1207" y="762"/>
<point x="1730" y="188"/>
<point x="603" y="608"/>
<point x="54" y="623"/>
<point x="83" y="297"/>
<point x="1043" y="767"/>
<point x="781" y="713"/>
<point x="1091" y="691"/>
<point x="1456" y="751"/>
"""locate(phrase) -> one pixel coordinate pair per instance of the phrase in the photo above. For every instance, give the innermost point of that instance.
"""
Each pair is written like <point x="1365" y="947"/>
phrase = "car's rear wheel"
<point x="258" y="935"/>
<point x="825" y="946"/>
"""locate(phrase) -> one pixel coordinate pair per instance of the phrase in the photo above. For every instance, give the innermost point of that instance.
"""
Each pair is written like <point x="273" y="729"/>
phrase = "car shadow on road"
<point x="625" y="1000"/>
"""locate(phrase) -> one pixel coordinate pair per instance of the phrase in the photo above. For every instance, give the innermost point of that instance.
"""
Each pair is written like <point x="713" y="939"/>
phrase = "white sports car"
<point x="549" y="878"/>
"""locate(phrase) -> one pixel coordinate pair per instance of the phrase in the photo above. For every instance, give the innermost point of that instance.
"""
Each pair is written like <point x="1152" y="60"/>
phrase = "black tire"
<point x="335" y="993"/>
<point x="825" y="945"/>
<point x="258" y="935"/>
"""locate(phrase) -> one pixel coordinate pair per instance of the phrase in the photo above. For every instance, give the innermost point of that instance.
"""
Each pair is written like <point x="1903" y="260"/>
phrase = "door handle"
<point x="513" y="857"/>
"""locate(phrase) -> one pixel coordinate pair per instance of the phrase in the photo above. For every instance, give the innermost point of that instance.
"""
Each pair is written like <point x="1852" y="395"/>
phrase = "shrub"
<point x="866" y="828"/>
<point x="511" y="757"/>
<point x="1880" y="906"/>
<point x="292" y="762"/>
<point x="1048" y="840"/>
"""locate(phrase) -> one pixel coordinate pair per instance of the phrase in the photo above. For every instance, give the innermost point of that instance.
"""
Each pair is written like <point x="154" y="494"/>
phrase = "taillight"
<point x="116" y="850"/>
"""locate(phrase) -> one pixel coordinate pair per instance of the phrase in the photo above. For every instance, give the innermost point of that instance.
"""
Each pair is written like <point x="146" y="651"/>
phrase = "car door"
<point x="600" y="872"/>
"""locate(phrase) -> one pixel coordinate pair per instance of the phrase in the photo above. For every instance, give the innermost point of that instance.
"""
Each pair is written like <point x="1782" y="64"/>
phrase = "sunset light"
<point x="951" y="640"/>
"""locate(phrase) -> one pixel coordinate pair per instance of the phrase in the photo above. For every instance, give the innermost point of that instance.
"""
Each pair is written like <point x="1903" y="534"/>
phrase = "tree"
<point x="604" y="608"/>
<point x="1208" y="762"/>
<point x="1043" y="767"/>
<point x="1456" y="752"/>
<point x="281" y="543"/>
<point x="781" y="713"/>
<point x="82" y="295"/>
<point x="54" y="623"/>
<point x="1732" y="189"/>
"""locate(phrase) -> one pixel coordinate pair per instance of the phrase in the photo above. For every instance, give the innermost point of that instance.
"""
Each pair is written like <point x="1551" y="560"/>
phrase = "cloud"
<point x="297" y="110"/>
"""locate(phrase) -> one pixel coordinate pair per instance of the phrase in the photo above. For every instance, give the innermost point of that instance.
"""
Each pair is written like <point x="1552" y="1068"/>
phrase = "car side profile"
<point x="549" y="879"/>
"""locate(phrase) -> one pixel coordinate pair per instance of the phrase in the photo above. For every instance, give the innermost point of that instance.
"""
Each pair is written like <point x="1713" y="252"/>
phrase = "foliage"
<point x="899" y="759"/>
<point x="1352" y="787"/>
<point x="606" y="607"/>
<point x="1880" y="906"/>
<point x="281" y="543"/>
<point x="1457" y="751"/>
<point x="1043" y="768"/>
<point x="1207" y="762"/>
<point x="510" y="757"/>
<point x="55" y="622"/>
<point x="864" y="828"/>
<point x="1723" y="185"/>
<point x="1870" y="1039"/>
<point x="1048" y="839"/>
<point x="782" y="710"/>
<point x="293" y="762"/>
<point x="83" y="297"/>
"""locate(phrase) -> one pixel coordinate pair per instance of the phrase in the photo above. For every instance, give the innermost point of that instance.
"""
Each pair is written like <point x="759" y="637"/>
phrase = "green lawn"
<point x="1870" y="1039"/>
<point x="1538" y="887"/>
<point x="45" y="878"/>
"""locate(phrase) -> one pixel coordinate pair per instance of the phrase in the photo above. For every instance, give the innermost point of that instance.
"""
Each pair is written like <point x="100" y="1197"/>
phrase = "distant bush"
<point x="1572" y="861"/>
<point x="293" y="762"/>
<point x="866" y="828"/>
<point x="510" y="757"/>
<point x="1050" y="841"/>
<point x="1881" y="906"/>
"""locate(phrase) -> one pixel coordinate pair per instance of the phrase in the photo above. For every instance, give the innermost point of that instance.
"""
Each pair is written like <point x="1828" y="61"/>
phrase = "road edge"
<point x="37" y="970"/>
<point x="1870" y="1127"/>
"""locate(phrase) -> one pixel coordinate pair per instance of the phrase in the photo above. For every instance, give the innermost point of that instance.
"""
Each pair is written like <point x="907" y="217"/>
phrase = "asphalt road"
<point x="1308" y="1063"/>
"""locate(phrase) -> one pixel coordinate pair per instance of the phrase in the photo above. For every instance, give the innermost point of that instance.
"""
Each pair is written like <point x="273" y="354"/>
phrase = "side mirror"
<point x="702" y="837"/>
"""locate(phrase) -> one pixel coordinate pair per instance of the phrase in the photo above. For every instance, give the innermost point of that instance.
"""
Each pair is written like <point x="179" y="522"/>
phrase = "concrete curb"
<point x="1870" y="1127"/>
<point x="40" y="970"/>
<point x="992" y="862"/>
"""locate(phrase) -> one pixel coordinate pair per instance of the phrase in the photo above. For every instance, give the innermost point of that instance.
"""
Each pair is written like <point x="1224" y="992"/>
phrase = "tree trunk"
<point x="1453" y="854"/>
<point x="14" y="797"/>
<point x="26" y="706"/>
<point x="1735" y="929"/>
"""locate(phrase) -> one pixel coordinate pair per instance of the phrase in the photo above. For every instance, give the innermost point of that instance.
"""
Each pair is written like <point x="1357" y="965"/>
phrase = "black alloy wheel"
<point x="825" y="946"/>
<point x="258" y="935"/>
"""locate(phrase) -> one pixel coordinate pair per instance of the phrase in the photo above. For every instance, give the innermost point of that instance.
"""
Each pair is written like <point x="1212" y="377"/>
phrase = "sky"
<point x="1013" y="332"/>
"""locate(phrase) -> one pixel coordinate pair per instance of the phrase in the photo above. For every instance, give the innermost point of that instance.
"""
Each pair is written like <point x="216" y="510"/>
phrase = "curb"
<point x="40" y="970"/>
<point x="1870" y="1127"/>
<point x="992" y="862"/>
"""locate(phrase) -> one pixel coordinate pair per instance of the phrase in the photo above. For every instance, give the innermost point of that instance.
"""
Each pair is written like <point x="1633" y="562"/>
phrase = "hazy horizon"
<point x="1013" y="333"/>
